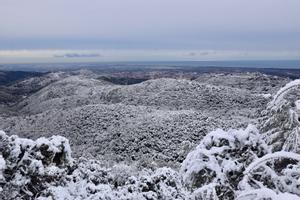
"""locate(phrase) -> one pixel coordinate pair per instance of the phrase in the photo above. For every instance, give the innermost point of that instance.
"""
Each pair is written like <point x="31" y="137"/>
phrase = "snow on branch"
<point x="272" y="156"/>
<point x="265" y="193"/>
<point x="283" y="91"/>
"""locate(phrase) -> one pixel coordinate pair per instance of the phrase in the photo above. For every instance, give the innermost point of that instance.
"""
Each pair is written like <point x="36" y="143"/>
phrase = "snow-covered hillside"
<point x="254" y="82"/>
<point x="172" y="94"/>
<point x="158" y="120"/>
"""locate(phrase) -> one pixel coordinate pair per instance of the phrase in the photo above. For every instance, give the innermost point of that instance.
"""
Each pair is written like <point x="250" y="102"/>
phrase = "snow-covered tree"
<point x="281" y="120"/>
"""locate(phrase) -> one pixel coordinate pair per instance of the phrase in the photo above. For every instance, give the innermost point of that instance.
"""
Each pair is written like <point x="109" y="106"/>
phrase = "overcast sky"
<point x="150" y="29"/>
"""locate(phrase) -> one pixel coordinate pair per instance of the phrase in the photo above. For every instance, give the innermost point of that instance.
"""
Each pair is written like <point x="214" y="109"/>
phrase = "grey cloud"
<point x="192" y="54"/>
<point x="205" y="53"/>
<point x="201" y="53"/>
<point x="135" y="24"/>
<point x="78" y="55"/>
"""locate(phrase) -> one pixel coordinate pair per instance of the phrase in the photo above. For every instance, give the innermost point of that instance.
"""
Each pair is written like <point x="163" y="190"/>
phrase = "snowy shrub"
<point x="281" y="121"/>
<point x="216" y="165"/>
<point x="26" y="166"/>
<point x="120" y="174"/>
<point x="163" y="183"/>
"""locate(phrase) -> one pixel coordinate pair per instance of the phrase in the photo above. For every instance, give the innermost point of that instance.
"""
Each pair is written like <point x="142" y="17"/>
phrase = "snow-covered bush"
<point x="217" y="164"/>
<point x="26" y="166"/>
<point x="163" y="183"/>
<point x="90" y="181"/>
<point x="227" y="165"/>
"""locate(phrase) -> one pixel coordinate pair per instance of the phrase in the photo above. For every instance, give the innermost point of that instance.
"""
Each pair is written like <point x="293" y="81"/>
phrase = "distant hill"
<point x="8" y="77"/>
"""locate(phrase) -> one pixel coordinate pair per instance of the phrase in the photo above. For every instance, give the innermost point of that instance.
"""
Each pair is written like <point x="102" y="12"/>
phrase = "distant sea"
<point x="277" y="64"/>
<point x="259" y="64"/>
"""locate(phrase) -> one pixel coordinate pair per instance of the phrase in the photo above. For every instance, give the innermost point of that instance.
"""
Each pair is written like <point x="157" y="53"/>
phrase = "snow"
<point x="205" y="192"/>
<point x="267" y="96"/>
<point x="278" y="97"/>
